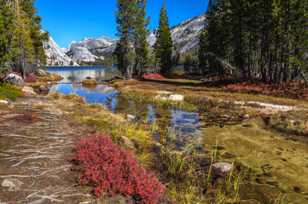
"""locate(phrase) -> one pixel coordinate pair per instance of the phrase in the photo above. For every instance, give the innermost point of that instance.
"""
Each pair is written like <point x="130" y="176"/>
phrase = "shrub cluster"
<point x="31" y="78"/>
<point x="113" y="170"/>
<point x="153" y="76"/>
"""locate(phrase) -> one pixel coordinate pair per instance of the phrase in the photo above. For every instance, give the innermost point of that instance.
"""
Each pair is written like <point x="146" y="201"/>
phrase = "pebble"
<point x="12" y="184"/>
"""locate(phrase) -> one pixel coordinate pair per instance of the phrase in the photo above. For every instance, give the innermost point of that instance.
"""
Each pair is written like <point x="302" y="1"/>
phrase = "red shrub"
<point x="31" y="78"/>
<point x="113" y="170"/>
<point x="153" y="76"/>
<point x="294" y="89"/>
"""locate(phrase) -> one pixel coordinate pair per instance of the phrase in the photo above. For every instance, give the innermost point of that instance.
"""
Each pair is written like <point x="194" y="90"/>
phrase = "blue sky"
<point x="73" y="20"/>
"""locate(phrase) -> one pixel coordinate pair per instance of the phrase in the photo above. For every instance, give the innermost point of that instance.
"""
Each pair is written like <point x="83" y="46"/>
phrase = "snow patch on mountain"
<point x="55" y="55"/>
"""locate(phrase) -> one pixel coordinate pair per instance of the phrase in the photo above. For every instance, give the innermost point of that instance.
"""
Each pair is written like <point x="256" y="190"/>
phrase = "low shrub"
<point x="31" y="78"/>
<point x="153" y="76"/>
<point x="113" y="170"/>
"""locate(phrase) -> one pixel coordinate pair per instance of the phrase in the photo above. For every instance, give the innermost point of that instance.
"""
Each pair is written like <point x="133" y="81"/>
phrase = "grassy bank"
<point x="9" y="92"/>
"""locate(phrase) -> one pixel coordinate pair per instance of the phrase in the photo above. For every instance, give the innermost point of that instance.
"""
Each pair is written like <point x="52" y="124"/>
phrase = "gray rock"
<point x="222" y="168"/>
<point x="12" y="184"/>
<point x="14" y="79"/>
<point x="130" y="117"/>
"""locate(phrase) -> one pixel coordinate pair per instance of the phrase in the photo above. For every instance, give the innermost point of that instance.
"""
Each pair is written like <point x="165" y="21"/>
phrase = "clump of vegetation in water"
<point x="89" y="82"/>
<point x="9" y="92"/>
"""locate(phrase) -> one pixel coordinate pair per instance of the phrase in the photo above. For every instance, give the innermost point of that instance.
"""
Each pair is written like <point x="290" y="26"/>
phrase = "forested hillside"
<point x="260" y="39"/>
<point x="21" y="47"/>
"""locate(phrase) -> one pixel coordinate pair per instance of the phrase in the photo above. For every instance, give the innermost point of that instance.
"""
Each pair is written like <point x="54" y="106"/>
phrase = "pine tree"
<point x="141" y="35"/>
<point x="37" y="35"/>
<point x="125" y="51"/>
<point x="164" y="44"/>
<point x="6" y="24"/>
<point x="22" y="39"/>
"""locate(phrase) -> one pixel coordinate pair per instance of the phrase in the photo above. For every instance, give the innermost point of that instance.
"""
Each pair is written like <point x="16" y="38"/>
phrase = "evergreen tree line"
<point x="133" y="53"/>
<point x="21" y="47"/>
<point x="263" y="40"/>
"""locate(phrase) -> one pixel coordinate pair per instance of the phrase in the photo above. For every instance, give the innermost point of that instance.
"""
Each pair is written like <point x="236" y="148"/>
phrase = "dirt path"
<point x="35" y="147"/>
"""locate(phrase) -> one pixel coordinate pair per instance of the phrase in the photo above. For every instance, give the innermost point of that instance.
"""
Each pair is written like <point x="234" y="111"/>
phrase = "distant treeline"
<point x="21" y="47"/>
<point x="263" y="40"/>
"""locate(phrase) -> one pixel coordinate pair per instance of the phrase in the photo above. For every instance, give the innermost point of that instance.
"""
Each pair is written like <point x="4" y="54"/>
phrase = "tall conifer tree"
<point x="141" y="35"/>
<point x="164" y="44"/>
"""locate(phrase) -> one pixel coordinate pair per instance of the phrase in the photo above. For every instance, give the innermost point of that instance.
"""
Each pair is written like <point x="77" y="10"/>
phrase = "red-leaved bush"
<point x="153" y="76"/>
<point x="113" y="170"/>
<point x="31" y="78"/>
<point x="291" y="89"/>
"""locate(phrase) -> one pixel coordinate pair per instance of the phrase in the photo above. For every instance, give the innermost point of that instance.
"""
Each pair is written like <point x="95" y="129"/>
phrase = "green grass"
<point x="9" y="92"/>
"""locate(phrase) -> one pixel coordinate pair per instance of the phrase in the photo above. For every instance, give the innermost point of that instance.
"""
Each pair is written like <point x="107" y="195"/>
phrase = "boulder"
<point x="12" y="184"/>
<point x="14" y="79"/>
<point x="222" y="169"/>
<point x="28" y="91"/>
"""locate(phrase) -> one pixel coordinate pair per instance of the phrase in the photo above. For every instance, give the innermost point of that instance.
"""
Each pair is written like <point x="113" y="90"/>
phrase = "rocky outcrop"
<point x="91" y="50"/>
<point x="185" y="36"/>
<point x="55" y="55"/>
<point x="14" y="79"/>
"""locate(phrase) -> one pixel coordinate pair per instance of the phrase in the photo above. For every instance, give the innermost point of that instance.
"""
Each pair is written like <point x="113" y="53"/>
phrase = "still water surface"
<point x="180" y="123"/>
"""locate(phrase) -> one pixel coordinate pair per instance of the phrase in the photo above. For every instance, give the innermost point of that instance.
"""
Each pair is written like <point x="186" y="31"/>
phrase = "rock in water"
<point x="14" y="79"/>
<point x="12" y="184"/>
<point x="222" y="168"/>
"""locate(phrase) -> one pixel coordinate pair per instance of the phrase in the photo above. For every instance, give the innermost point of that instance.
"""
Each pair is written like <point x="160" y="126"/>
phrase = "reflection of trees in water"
<point x="79" y="74"/>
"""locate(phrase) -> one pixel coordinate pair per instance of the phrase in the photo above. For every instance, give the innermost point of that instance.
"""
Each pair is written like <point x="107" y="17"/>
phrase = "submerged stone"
<point x="222" y="168"/>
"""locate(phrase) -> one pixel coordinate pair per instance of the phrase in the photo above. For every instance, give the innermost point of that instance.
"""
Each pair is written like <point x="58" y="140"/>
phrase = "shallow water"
<point x="184" y="125"/>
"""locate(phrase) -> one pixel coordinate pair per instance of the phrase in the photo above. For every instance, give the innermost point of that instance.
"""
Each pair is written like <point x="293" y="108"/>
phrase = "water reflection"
<point x="101" y="94"/>
<point x="77" y="74"/>
<point x="184" y="125"/>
